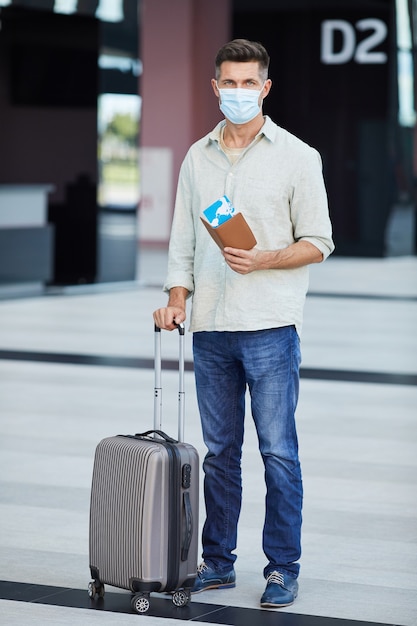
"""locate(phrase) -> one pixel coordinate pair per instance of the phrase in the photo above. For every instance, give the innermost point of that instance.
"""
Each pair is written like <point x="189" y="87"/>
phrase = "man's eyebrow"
<point x="234" y="79"/>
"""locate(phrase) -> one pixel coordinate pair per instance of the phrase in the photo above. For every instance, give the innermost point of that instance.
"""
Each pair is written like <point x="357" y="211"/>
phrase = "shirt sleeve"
<point x="182" y="239"/>
<point x="309" y="205"/>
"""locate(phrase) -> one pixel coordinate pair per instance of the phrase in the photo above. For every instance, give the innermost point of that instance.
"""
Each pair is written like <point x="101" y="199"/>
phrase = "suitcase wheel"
<point x="140" y="602"/>
<point x="181" y="597"/>
<point x="95" y="588"/>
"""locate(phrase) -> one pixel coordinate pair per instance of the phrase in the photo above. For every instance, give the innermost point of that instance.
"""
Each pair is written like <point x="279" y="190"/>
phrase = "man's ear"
<point x="266" y="88"/>
<point x="215" y="88"/>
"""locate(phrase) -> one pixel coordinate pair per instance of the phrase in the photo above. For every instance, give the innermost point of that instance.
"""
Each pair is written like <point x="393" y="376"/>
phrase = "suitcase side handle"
<point x="188" y="529"/>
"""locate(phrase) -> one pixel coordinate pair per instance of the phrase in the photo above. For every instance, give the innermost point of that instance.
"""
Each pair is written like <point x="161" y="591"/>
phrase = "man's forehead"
<point x="248" y="69"/>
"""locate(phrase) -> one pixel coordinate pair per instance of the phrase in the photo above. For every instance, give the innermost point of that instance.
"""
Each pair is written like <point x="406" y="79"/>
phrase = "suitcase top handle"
<point x="161" y="434"/>
<point x="181" y="328"/>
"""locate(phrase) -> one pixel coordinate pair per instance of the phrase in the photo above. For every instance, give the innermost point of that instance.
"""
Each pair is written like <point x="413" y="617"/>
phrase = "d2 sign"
<point x="363" y="52"/>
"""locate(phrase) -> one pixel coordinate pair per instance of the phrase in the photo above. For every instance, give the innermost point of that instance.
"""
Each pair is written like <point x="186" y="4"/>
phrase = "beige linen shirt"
<point x="277" y="184"/>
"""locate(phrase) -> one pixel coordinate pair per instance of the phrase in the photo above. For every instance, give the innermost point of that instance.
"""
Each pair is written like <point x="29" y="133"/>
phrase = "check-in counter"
<point x="26" y="238"/>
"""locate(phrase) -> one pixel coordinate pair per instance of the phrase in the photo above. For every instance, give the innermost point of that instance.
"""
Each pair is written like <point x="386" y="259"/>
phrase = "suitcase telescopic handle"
<point x="157" y="415"/>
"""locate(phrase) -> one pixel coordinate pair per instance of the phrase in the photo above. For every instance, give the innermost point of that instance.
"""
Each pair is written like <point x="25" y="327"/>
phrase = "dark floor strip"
<point x="343" y="296"/>
<point x="385" y="378"/>
<point x="361" y="296"/>
<point x="86" y="359"/>
<point x="163" y="607"/>
<point x="109" y="287"/>
<point x="96" y="288"/>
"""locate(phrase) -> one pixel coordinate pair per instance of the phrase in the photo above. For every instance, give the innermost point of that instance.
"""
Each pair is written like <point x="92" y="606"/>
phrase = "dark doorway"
<point x="337" y="103"/>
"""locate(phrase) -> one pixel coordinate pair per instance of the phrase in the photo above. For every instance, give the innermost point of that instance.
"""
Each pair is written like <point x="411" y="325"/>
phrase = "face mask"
<point x="239" y="105"/>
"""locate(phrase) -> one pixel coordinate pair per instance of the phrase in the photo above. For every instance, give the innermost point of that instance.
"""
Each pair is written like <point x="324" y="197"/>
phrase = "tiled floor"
<point x="357" y="421"/>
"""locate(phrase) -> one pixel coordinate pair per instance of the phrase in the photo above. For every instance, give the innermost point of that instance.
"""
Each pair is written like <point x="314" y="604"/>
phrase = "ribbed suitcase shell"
<point x="138" y="514"/>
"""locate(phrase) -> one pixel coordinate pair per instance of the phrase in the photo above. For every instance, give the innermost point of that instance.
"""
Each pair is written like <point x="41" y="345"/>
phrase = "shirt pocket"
<point x="265" y="200"/>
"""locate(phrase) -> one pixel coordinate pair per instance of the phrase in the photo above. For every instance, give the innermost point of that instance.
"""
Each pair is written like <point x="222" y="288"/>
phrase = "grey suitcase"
<point x="144" y="508"/>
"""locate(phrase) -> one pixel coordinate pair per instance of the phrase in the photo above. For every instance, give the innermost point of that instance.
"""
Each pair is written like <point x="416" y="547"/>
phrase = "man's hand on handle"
<point x="168" y="318"/>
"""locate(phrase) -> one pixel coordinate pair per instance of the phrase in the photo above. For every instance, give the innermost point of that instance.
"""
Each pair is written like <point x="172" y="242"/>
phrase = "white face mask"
<point x="240" y="105"/>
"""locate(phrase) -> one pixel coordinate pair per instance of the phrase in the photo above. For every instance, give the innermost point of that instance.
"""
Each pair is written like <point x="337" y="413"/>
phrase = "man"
<point x="247" y="311"/>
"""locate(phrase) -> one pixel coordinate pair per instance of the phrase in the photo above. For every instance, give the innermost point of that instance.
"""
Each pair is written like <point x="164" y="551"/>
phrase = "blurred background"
<point x="99" y="102"/>
<point x="100" y="99"/>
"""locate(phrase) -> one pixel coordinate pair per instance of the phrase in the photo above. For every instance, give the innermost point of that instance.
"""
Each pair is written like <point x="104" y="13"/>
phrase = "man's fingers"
<point x="168" y="318"/>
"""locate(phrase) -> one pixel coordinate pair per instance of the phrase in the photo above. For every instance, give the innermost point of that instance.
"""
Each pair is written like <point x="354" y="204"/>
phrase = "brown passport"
<point x="235" y="233"/>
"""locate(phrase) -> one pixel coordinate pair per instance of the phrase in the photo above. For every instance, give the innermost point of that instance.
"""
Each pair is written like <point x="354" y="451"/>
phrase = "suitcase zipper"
<point x="174" y="522"/>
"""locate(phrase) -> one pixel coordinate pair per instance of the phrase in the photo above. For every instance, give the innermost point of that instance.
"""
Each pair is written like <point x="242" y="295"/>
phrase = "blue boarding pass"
<point x="219" y="212"/>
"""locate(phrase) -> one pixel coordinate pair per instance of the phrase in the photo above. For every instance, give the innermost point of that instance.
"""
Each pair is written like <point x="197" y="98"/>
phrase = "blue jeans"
<point x="267" y="361"/>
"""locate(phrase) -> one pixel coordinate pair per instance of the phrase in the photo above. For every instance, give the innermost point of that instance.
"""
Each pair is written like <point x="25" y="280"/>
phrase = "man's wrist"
<point x="177" y="297"/>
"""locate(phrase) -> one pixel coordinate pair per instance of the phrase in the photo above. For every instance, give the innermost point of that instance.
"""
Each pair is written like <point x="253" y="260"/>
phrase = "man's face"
<point x="241" y="75"/>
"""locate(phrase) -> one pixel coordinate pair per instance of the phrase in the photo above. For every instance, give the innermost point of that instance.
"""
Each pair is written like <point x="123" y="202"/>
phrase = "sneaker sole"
<point x="221" y="586"/>
<point x="270" y="605"/>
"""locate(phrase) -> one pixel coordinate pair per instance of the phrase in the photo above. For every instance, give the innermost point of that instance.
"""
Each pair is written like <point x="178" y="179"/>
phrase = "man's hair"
<point x="243" y="51"/>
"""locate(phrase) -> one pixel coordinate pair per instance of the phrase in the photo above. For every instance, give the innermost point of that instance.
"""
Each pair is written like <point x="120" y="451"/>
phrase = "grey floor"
<point x="357" y="422"/>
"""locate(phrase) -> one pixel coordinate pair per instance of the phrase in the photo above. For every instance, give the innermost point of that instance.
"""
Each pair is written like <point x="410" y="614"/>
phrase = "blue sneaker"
<point x="281" y="590"/>
<point x="208" y="578"/>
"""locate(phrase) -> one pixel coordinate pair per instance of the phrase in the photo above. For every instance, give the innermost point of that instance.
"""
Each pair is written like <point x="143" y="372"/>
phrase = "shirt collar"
<point x="269" y="130"/>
